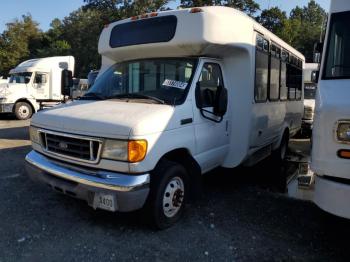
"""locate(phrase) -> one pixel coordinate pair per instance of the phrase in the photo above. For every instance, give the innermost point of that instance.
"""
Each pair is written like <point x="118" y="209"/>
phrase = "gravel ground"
<point x="242" y="216"/>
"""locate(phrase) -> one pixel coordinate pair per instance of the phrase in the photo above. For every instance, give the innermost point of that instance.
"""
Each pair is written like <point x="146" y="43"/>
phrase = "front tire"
<point x="169" y="193"/>
<point x="23" y="111"/>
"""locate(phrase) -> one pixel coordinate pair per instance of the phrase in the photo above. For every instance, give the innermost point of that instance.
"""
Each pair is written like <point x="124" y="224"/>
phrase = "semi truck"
<point x="310" y="87"/>
<point x="34" y="82"/>
<point x="179" y="93"/>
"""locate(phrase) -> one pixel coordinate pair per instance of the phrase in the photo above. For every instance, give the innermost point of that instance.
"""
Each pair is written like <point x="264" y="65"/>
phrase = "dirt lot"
<point x="243" y="216"/>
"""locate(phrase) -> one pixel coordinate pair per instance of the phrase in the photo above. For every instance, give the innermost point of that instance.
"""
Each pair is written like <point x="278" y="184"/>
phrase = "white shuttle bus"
<point x="179" y="93"/>
<point x="32" y="82"/>
<point x="331" y="133"/>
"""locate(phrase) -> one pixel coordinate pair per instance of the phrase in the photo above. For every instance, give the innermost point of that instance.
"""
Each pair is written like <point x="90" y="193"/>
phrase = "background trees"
<point x="78" y="33"/>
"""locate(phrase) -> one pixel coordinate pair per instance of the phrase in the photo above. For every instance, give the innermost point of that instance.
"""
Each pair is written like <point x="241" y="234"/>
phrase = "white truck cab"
<point x="31" y="82"/>
<point x="179" y="93"/>
<point x="331" y="133"/>
<point x="310" y="87"/>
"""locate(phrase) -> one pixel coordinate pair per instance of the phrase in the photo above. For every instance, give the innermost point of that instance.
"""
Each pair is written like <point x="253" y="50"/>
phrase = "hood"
<point x="309" y="103"/>
<point x="108" y="118"/>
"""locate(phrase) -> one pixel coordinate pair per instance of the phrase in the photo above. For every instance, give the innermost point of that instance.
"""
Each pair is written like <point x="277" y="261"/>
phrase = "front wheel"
<point x="23" y="111"/>
<point x="169" y="192"/>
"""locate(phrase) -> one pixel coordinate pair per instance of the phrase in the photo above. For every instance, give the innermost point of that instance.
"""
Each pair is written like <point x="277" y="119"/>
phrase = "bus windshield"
<point x="165" y="80"/>
<point x="20" y="78"/>
<point x="337" y="63"/>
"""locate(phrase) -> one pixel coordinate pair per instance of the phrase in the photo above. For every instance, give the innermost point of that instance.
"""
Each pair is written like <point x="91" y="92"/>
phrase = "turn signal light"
<point x="153" y="14"/>
<point x="196" y="10"/>
<point x="137" y="150"/>
<point x="133" y="18"/>
<point x="343" y="153"/>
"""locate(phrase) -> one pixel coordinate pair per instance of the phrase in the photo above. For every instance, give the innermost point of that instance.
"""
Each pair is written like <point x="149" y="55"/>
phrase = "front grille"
<point x="71" y="146"/>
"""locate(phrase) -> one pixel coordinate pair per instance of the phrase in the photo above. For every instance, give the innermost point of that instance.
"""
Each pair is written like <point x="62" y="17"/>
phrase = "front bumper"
<point x="131" y="191"/>
<point x="333" y="197"/>
<point x="6" y="108"/>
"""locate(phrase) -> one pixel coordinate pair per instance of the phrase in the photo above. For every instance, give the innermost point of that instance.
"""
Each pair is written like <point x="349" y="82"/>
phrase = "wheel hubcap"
<point x="173" y="197"/>
<point x="23" y="111"/>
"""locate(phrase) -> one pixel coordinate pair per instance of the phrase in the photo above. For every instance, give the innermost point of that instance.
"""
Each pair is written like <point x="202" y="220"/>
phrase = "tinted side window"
<point x="209" y="81"/>
<point x="274" y="78"/>
<point x="261" y="70"/>
<point x="291" y="81"/>
<point x="145" y="31"/>
<point x="284" y="88"/>
<point x="299" y="83"/>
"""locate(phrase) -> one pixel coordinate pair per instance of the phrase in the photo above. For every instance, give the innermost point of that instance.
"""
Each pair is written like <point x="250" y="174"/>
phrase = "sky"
<point x="44" y="11"/>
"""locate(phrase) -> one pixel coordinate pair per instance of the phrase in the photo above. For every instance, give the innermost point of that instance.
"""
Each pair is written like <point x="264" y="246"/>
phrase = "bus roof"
<point x="210" y="31"/>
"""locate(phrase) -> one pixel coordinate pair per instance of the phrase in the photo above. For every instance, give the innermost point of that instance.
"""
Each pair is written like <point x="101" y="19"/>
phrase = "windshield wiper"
<point x="92" y="96"/>
<point x="138" y="96"/>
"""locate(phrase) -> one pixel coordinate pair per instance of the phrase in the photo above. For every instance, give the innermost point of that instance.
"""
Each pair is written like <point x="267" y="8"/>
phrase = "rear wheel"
<point x="281" y="152"/>
<point x="23" y="111"/>
<point x="169" y="192"/>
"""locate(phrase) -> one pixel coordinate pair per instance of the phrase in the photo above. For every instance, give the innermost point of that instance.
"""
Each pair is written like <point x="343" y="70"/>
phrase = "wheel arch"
<point x="183" y="157"/>
<point x="25" y="100"/>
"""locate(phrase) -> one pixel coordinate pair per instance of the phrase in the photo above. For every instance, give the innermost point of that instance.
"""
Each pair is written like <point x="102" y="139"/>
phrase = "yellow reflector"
<point x="137" y="150"/>
<point x="344" y="153"/>
<point x="196" y="10"/>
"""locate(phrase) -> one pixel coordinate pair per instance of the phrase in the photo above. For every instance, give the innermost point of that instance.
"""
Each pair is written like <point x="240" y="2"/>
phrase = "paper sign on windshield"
<point x="174" y="83"/>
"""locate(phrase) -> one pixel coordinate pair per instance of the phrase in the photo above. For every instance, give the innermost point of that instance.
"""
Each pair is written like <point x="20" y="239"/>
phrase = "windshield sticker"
<point x="174" y="83"/>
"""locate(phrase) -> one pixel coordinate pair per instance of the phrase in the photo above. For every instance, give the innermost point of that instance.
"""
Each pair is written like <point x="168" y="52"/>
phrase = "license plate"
<point x="105" y="201"/>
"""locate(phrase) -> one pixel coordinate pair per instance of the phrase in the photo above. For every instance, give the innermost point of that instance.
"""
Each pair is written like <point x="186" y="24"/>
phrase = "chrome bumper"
<point x="131" y="190"/>
<point x="6" y="108"/>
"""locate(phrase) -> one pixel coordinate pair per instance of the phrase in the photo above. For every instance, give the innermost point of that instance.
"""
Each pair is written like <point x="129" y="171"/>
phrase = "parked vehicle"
<point x="80" y="87"/>
<point x="331" y="132"/>
<point x="92" y="77"/>
<point x="32" y="82"/>
<point x="310" y="71"/>
<point x="180" y="94"/>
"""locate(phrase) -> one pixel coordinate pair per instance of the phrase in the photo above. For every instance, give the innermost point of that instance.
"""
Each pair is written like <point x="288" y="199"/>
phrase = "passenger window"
<point x="283" y="88"/>
<point x="209" y="81"/>
<point x="261" y="72"/>
<point x="274" y="74"/>
<point x="40" y="78"/>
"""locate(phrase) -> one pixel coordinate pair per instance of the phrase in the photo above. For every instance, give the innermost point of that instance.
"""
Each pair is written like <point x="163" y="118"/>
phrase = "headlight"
<point x="343" y="131"/>
<point x="34" y="134"/>
<point x="115" y="149"/>
<point x="132" y="151"/>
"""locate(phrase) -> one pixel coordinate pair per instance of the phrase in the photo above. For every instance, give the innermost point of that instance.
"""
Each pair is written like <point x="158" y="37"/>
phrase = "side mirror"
<point x="314" y="76"/>
<point x="220" y="106"/>
<point x="66" y="82"/>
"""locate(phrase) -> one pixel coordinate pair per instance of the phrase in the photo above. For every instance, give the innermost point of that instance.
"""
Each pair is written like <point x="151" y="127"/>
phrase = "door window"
<point x="40" y="78"/>
<point x="209" y="81"/>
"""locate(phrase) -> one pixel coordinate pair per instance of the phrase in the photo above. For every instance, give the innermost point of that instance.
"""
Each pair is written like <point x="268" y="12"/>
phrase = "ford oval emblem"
<point x="63" y="145"/>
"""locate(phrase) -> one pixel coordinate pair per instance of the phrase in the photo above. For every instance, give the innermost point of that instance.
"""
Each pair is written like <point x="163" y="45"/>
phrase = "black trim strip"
<point x="186" y="121"/>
